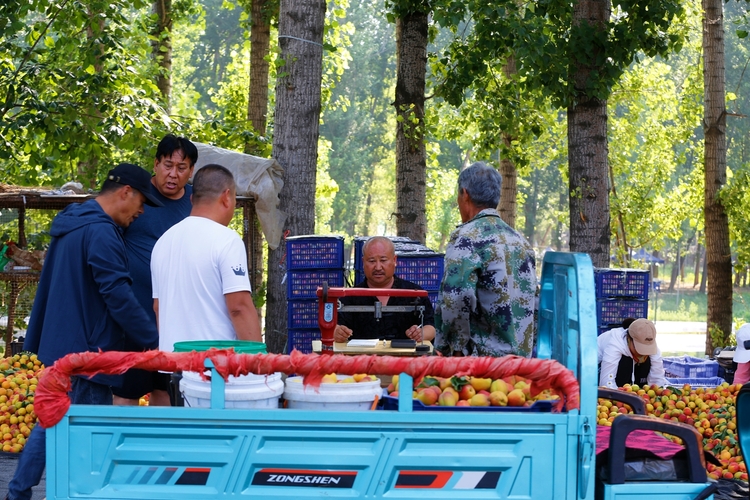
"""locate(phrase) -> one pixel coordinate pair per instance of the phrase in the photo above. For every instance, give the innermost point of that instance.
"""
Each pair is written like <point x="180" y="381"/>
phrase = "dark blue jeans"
<point x="34" y="455"/>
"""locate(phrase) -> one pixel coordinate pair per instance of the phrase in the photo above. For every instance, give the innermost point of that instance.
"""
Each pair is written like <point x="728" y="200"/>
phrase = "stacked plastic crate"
<point x="311" y="261"/>
<point x="415" y="262"/>
<point x="697" y="372"/>
<point x="620" y="294"/>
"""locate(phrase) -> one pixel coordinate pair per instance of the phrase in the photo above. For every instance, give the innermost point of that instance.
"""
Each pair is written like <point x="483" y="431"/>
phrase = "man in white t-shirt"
<point x="199" y="270"/>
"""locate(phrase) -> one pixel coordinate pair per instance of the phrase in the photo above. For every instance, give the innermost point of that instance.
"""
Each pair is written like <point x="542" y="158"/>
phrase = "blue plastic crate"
<point x="433" y="296"/>
<point x="302" y="314"/>
<point x="315" y="252"/>
<point x="613" y="311"/>
<point x="304" y="284"/>
<point x="424" y="270"/>
<point x="696" y="382"/>
<point x="690" y="367"/>
<point x="630" y="283"/>
<point x="605" y="328"/>
<point x="399" y="243"/>
<point x="301" y="339"/>
<point x="359" y="276"/>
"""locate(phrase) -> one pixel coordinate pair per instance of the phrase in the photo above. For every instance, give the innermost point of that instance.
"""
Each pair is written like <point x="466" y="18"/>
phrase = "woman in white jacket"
<point x="629" y="355"/>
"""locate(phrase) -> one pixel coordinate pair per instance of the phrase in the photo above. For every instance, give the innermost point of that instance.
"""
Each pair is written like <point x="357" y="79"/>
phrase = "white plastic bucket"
<point x="246" y="391"/>
<point x="332" y="396"/>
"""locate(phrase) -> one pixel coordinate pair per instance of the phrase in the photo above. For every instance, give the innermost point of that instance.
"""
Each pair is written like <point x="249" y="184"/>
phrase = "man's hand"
<point x="414" y="332"/>
<point x="341" y="333"/>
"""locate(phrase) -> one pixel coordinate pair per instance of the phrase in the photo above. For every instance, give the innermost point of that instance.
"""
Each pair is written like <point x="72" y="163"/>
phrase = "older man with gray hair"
<point x="488" y="294"/>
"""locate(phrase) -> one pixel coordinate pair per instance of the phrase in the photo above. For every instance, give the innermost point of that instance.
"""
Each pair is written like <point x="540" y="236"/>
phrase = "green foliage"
<point x="210" y="96"/>
<point x="325" y="190"/>
<point x="259" y="296"/>
<point x="735" y="197"/>
<point x="337" y="39"/>
<point x="361" y="126"/>
<point x="549" y="45"/>
<point x="690" y="305"/>
<point x="653" y="119"/>
<point x="718" y="337"/>
<point x="442" y="215"/>
<point x="76" y="83"/>
<point x="402" y="8"/>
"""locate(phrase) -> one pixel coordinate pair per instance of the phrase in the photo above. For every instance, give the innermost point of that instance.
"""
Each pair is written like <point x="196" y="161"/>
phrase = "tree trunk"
<point x="260" y="42"/>
<point x="507" y="207"/>
<point x="411" y="162"/>
<point x="675" y="269"/>
<point x="716" y="223"/>
<point x="87" y="169"/>
<point x="587" y="151"/>
<point x="557" y="233"/>
<point x="698" y="251"/>
<point x="161" y="49"/>
<point x="704" y="275"/>
<point x="257" y="108"/>
<point x="367" y="216"/>
<point x="621" y="237"/>
<point x="530" y="211"/>
<point x="295" y="142"/>
<point x="684" y="260"/>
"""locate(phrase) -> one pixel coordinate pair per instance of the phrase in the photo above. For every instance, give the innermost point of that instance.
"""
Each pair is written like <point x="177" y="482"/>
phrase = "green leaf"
<point x="459" y="382"/>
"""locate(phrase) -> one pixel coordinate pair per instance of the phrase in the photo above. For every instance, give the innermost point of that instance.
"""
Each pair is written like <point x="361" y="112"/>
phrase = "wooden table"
<point x="382" y="349"/>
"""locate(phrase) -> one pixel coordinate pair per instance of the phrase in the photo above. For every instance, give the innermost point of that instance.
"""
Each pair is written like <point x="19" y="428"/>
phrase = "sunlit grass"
<point x="690" y="305"/>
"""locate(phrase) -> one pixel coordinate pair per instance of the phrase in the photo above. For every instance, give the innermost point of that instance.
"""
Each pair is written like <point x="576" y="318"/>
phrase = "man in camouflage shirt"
<point x="488" y="294"/>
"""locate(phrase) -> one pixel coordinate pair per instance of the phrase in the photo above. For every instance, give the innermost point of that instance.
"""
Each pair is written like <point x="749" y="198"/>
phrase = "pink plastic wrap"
<point x="52" y="402"/>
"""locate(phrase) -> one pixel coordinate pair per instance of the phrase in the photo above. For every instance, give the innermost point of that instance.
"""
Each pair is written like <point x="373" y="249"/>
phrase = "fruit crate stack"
<point x="311" y="261"/>
<point x="415" y="262"/>
<point x="620" y="294"/>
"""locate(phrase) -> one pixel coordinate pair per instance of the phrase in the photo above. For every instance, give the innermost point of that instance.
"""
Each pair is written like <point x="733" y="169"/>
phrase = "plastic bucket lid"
<point x="239" y="346"/>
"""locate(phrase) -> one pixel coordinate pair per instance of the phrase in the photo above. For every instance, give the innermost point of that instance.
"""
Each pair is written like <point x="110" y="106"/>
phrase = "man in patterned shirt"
<point x="488" y="294"/>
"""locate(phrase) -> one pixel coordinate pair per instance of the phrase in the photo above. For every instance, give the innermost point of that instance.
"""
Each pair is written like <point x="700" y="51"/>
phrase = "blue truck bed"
<point x="111" y="453"/>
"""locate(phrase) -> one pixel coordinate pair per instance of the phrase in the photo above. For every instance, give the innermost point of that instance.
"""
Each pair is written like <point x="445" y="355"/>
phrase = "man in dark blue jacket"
<point x="84" y="301"/>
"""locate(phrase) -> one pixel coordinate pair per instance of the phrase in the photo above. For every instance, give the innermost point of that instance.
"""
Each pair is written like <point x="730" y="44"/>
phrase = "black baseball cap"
<point x="134" y="176"/>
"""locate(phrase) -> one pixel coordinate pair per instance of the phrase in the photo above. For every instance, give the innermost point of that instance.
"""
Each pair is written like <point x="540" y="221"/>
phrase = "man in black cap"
<point x="84" y="301"/>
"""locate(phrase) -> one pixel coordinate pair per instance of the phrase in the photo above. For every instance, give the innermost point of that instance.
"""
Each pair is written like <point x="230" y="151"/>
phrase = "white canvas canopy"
<point x="260" y="178"/>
